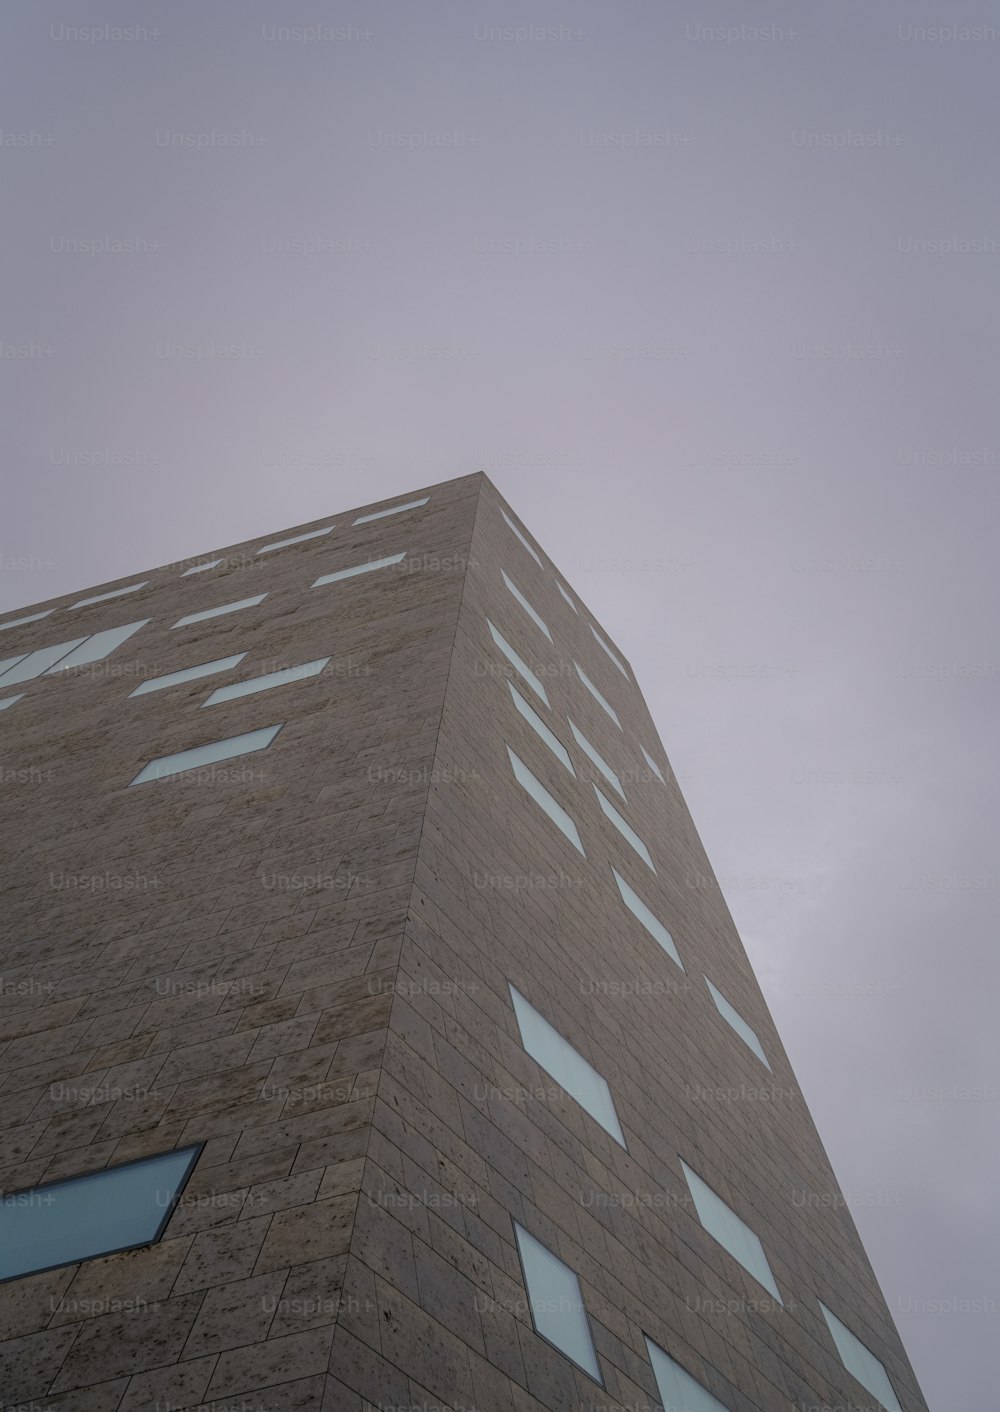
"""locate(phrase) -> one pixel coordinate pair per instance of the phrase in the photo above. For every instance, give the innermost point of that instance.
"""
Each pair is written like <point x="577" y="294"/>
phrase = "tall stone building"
<point x="362" y="1041"/>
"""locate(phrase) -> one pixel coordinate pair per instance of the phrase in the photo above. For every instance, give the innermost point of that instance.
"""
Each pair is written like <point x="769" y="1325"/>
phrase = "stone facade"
<point x="301" y="958"/>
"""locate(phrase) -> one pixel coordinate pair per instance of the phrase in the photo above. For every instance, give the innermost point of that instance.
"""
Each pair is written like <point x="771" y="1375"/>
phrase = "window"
<point x="537" y="724"/>
<point x="557" y="1310"/>
<point x="218" y="612"/>
<point x="35" y="663"/>
<point x="265" y="683"/>
<point x="393" y="510"/>
<point x="96" y="648"/>
<point x="638" y="908"/>
<point x="517" y="662"/>
<point x="723" y="1224"/>
<point x="103" y="597"/>
<point x="359" y="569"/>
<point x="597" y="759"/>
<point x="624" y="828"/>
<point x="652" y="764"/>
<point x="9" y="700"/>
<point x="520" y="536"/>
<point x="296" y="539"/>
<point x="544" y="800"/>
<point x="200" y="568"/>
<point x="566" y="1065"/>
<point x="567" y="597"/>
<point x="613" y="655"/>
<point x="737" y="1021"/>
<point x="9" y="662"/>
<point x="679" y="1392"/>
<point x="204" y="669"/>
<point x="535" y="617"/>
<point x="597" y="695"/>
<point x="861" y="1362"/>
<point x="19" y="622"/>
<point x="118" y="1208"/>
<point x="207" y="754"/>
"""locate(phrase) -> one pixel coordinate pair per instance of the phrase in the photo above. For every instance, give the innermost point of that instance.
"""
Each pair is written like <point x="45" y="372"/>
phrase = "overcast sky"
<point x="710" y="291"/>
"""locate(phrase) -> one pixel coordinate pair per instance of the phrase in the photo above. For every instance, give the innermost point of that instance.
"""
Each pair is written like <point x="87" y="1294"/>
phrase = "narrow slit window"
<point x="536" y="618"/>
<point x="35" y="663"/>
<point x="557" y="1309"/>
<point x="393" y="510"/>
<point x="8" y="701"/>
<point x="210" y="754"/>
<point x="861" y="1362"/>
<point x="626" y="830"/>
<point x="296" y="539"/>
<point x="103" y="597"/>
<point x="679" y="1392"/>
<point x="611" y="653"/>
<point x="736" y="1020"/>
<point x="545" y="800"/>
<point x="204" y="669"/>
<point x="734" y="1235"/>
<point x="517" y="662"/>
<point x="266" y="683"/>
<point x="567" y="597"/>
<point x="641" y="912"/>
<point x="597" y="695"/>
<point x="652" y="764"/>
<point x="20" y="622"/>
<point x="597" y="759"/>
<point x="219" y="612"/>
<point x="96" y="648"/>
<point x="538" y="725"/>
<point x="517" y="533"/>
<point x="360" y="569"/>
<point x="200" y="568"/>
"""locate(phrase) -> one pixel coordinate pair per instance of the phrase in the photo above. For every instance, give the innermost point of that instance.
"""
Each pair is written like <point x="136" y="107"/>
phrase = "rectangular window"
<point x="103" y="597"/>
<point x="734" y="1235"/>
<point x="19" y="622"/>
<point x="359" y="569"/>
<point x="737" y="1021"/>
<point x="204" y="669"/>
<point x="597" y="759"/>
<point x="222" y="609"/>
<point x="296" y="539"/>
<point x="200" y="568"/>
<point x="535" y="617"/>
<point x="511" y="525"/>
<point x="200" y="755"/>
<point x="624" y="828"/>
<point x="99" y="646"/>
<point x="679" y="1392"/>
<point x="652" y="764"/>
<point x="9" y="700"/>
<point x="393" y="510"/>
<point x="613" y="655"/>
<point x="567" y="1065"/>
<point x="537" y="724"/>
<point x="860" y="1362"/>
<point x="35" y="663"/>
<point x="638" y="908"/>
<point x="557" y="1310"/>
<point x="544" y="800"/>
<point x="118" y="1208"/>
<point x="518" y="663"/>
<point x="597" y="695"/>
<point x="567" y="597"/>
<point x="247" y="688"/>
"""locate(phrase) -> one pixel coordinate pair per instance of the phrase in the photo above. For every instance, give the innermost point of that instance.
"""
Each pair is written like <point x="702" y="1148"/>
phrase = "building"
<point x="400" y="1065"/>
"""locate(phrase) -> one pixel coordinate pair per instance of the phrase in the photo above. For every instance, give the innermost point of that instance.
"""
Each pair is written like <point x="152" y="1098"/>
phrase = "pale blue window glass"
<point x="861" y="1362"/>
<point x="393" y="510"/>
<point x="517" y="662"/>
<point x="638" y="908"/>
<point x="679" y="1392"/>
<point x="200" y="568"/>
<point x="597" y="695"/>
<point x="624" y="828"/>
<point x="296" y="539"/>
<point x="9" y="700"/>
<point x="207" y="754"/>
<point x="545" y="800"/>
<point x="651" y="763"/>
<point x="537" y="724"/>
<point x="557" y="1303"/>
<point x="511" y="525"/>
<point x="9" y="662"/>
<point x="359" y="569"/>
<point x="611" y="653"/>
<point x="38" y="662"/>
<point x="597" y="759"/>
<point x="115" y="1209"/>
<point x="19" y="622"/>
<point x="535" y="617"/>
<point x="734" y="1235"/>
<point x="99" y="646"/>
<point x="103" y="597"/>
<point x="567" y="597"/>
<point x="248" y="688"/>
<point x="567" y="1065"/>
<point x="204" y="669"/>
<point x="220" y="611"/>
<point x="737" y="1021"/>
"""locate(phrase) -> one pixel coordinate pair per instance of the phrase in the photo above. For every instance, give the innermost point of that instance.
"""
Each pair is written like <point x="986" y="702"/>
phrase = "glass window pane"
<point x="861" y="1362"/>
<point x="393" y="510"/>
<point x="723" y="1224"/>
<point x="737" y="1021"/>
<point x="218" y="612"/>
<point x="639" y="909"/>
<point x="567" y="597"/>
<point x="567" y="1065"/>
<point x="535" y="617"/>
<point x="359" y="569"/>
<point x="597" y="759"/>
<point x="9" y="662"/>
<point x="103" y="597"/>
<point x="556" y="1302"/>
<point x="204" y="669"/>
<point x="624" y="828"/>
<point x="38" y="662"/>
<point x="77" y="1219"/>
<point x="19" y="622"/>
<point x="200" y="568"/>
<point x="537" y="724"/>
<point x="651" y="763"/>
<point x="520" y="536"/>
<point x="296" y="539"/>
<point x="611" y="653"/>
<point x="597" y="695"/>
<point x="545" y="800"/>
<point x="9" y="700"/>
<point x="265" y="683"/>
<point x="101" y="645"/>
<point x="207" y="754"/>
<point x="518" y="663"/>
<point x="679" y="1392"/>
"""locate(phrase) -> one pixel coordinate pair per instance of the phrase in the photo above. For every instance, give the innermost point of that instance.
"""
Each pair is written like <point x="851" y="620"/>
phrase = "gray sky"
<point x="710" y="291"/>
